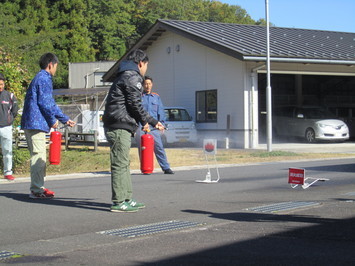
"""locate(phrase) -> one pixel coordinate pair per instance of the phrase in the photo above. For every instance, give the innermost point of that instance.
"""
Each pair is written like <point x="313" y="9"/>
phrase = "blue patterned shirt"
<point x="40" y="112"/>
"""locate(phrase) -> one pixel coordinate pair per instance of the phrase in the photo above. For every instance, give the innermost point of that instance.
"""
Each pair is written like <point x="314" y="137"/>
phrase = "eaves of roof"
<point x="81" y="92"/>
<point x="248" y="42"/>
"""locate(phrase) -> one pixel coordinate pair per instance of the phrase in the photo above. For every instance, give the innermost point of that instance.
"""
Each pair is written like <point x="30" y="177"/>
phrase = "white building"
<point x="217" y="71"/>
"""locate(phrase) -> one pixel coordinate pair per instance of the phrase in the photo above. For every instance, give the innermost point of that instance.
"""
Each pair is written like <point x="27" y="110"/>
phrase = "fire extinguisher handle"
<point x="153" y="129"/>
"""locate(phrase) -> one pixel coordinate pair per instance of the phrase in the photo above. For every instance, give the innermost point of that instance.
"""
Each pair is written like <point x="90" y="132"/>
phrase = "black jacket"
<point x="8" y="108"/>
<point x="124" y="109"/>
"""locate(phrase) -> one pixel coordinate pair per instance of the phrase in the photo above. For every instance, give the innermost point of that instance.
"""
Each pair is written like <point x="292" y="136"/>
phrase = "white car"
<point x="180" y="126"/>
<point x="310" y="123"/>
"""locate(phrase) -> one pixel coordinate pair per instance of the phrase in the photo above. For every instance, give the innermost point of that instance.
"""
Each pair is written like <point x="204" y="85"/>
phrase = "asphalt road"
<point x="215" y="224"/>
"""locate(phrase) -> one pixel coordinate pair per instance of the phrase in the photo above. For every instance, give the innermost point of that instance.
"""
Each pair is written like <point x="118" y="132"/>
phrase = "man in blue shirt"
<point x="153" y="104"/>
<point x="40" y="114"/>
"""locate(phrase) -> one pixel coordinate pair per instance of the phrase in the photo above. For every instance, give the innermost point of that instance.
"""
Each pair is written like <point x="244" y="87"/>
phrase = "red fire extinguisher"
<point x="55" y="147"/>
<point x="147" y="156"/>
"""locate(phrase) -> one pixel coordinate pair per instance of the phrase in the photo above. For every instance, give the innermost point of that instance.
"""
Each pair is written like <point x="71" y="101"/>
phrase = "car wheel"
<point x="310" y="135"/>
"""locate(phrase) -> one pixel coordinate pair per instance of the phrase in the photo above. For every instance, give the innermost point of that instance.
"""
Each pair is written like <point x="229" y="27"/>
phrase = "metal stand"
<point x="297" y="176"/>
<point x="307" y="185"/>
<point x="208" y="179"/>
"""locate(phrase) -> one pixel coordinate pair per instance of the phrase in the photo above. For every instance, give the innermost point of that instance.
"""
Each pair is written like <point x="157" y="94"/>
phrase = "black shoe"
<point x="169" y="172"/>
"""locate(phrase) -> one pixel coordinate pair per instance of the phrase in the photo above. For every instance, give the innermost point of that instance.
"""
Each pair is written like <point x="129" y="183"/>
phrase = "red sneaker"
<point x="46" y="194"/>
<point x="9" y="177"/>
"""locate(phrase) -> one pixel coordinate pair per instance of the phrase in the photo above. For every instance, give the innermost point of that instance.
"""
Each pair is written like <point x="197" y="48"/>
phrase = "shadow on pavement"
<point x="327" y="242"/>
<point x="347" y="168"/>
<point x="333" y="230"/>
<point x="65" y="202"/>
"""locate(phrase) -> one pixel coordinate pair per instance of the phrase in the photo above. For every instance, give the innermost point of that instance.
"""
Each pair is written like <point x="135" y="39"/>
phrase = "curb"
<point x="180" y="168"/>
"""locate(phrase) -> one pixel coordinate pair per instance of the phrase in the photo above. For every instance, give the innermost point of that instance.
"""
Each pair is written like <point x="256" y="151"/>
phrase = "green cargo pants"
<point x="121" y="183"/>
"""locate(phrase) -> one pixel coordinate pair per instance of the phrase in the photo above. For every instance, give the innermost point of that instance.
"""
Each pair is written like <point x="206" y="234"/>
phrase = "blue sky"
<point x="305" y="14"/>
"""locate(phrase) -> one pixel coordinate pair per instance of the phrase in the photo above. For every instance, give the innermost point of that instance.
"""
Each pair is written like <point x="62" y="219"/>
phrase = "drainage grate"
<point x="6" y="254"/>
<point x="149" y="229"/>
<point x="283" y="206"/>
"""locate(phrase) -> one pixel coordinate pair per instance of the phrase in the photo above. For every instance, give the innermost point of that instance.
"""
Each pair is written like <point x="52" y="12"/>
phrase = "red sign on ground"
<point x="296" y="176"/>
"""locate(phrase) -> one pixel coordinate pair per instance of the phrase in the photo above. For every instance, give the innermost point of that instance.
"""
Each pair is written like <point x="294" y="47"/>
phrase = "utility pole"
<point x="268" y="86"/>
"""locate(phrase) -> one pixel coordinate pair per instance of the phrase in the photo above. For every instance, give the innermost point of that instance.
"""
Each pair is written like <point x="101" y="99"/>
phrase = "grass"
<point x="84" y="159"/>
<point x="264" y="154"/>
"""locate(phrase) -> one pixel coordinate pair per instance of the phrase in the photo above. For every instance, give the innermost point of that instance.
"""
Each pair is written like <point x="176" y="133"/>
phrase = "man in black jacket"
<point x="8" y="112"/>
<point x="123" y="112"/>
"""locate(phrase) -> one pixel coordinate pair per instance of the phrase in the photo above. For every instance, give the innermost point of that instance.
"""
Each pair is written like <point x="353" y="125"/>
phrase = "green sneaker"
<point x="123" y="207"/>
<point x="136" y="204"/>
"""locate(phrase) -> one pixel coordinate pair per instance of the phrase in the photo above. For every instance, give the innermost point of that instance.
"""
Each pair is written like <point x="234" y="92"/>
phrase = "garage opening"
<point x="334" y="93"/>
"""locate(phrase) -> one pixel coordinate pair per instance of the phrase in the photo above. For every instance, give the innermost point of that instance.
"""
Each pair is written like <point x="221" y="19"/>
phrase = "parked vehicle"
<point x="180" y="126"/>
<point x="311" y="123"/>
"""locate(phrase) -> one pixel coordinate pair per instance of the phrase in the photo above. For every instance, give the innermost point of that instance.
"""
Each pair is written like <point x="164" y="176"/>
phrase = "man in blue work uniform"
<point x="154" y="106"/>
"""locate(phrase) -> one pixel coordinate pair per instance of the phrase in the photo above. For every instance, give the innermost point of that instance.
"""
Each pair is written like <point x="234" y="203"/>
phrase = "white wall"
<point x="88" y="74"/>
<point x="179" y="74"/>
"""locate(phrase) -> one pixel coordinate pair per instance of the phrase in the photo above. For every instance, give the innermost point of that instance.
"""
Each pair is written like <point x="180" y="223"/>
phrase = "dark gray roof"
<point x="248" y="42"/>
<point x="81" y="92"/>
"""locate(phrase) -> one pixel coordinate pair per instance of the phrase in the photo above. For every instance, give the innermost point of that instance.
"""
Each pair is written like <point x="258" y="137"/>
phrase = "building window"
<point x="206" y="106"/>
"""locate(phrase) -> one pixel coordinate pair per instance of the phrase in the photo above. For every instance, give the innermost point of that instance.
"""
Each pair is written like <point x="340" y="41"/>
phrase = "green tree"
<point x="72" y="39"/>
<point x="17" y="77"/>
<point x="219" y="12"/>
<point x="148" y="11"/>
<point x="110" y="27"/>
<point x="71" y="42"/>
<point x="29" y="36"/>
<point x="262" y="21"/>
<point x="8" y="20"/>
<point x="24" y="34"/>
<point x="89" y="30"/>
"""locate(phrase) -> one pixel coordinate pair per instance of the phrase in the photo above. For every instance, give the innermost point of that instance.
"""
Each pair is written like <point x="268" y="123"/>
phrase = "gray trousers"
<point x="6" y="147"/>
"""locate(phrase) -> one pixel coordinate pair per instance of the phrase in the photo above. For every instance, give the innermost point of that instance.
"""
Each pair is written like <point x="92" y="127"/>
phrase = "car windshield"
<point x="317" y="113"/>
<point x="176" y="114"/>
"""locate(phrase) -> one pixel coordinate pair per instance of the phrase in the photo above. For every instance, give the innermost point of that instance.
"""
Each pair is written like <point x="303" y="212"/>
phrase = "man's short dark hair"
<point x="2" y="77"/>
<point x="148" y="77"/>
<point x="137" y="56"/>
<point x="46" y="59"/>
